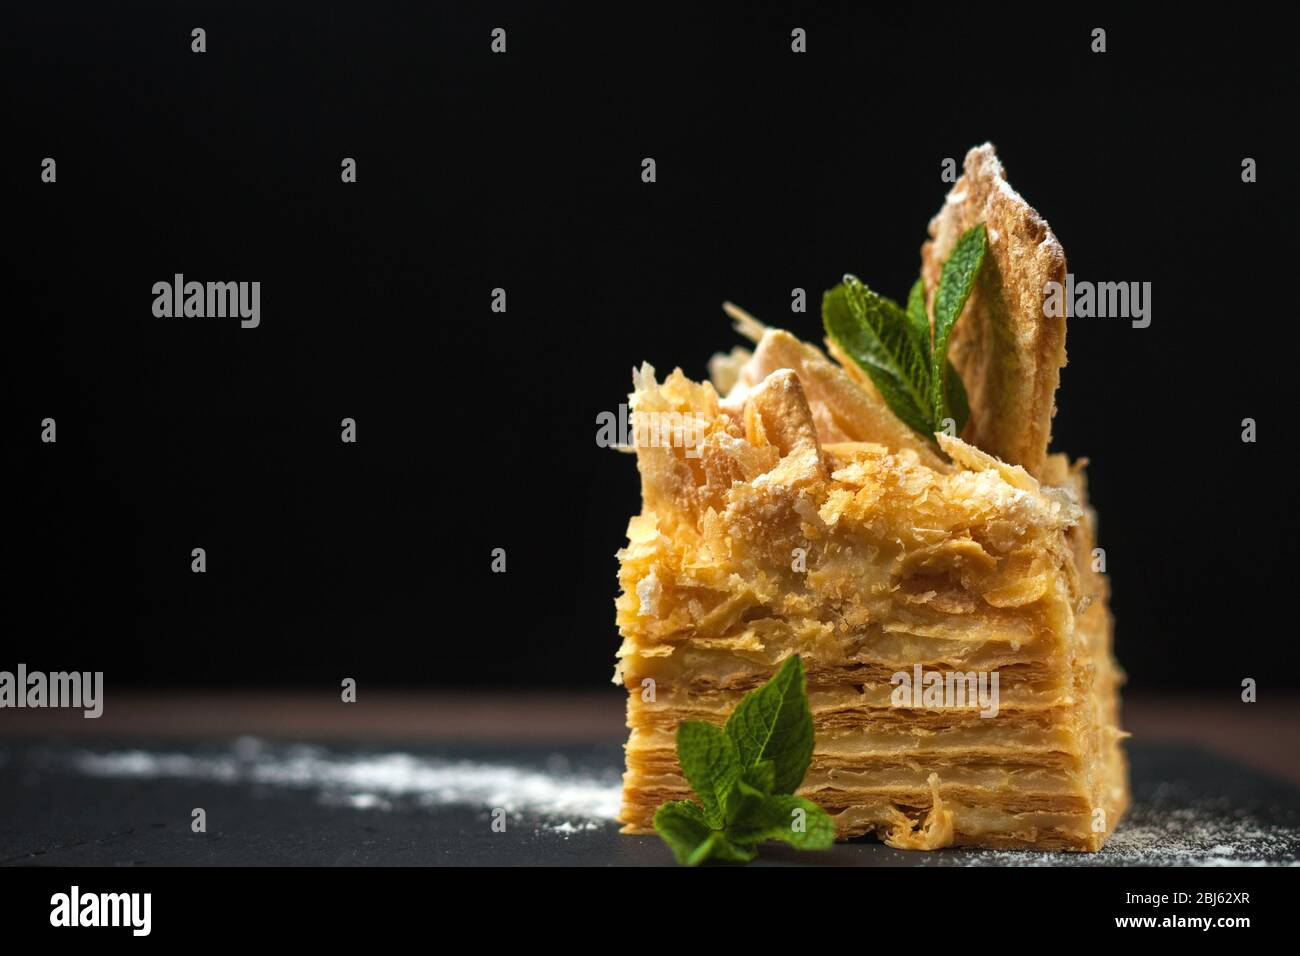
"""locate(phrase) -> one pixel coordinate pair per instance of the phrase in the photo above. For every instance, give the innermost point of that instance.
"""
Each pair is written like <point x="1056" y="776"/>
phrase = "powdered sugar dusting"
<point x="1171" y="823"/>
<point x="374" y="781"/>
<point x="1169" y="832"/>
<point x="567" y="829"/>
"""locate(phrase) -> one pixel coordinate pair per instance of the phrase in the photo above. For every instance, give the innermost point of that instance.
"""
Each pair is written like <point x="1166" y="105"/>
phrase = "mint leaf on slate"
<point x="719" y="847"/>
<point x="687" y="831"/>
<point x="795" y="820"/>
<point x="746" y="801"/>
<point x="710" y="765"/>
<point x="744" y="776"/>
<point x="683" y="826"/>
<point x="774" y="723"/>
<point x="761" y="776"/>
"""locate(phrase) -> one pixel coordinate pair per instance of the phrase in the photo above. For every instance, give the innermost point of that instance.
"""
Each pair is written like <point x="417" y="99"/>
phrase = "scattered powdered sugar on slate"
<point x="379" y="781"/>
<point x="1173" y="829"/>
<point x="1170" y="823"/>
<point x="567" y="828"/>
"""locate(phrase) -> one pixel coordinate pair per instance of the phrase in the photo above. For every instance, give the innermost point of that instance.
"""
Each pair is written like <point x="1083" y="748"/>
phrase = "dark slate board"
<point x="1190" y="807"/>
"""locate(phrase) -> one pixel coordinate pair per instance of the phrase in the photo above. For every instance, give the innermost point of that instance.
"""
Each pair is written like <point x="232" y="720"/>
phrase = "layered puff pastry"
<point x="804" y="517"/>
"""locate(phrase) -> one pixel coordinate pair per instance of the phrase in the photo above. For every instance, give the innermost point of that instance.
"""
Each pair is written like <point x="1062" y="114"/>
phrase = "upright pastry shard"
<point x="1007" y="351"/>
<point x="803" y="517"/>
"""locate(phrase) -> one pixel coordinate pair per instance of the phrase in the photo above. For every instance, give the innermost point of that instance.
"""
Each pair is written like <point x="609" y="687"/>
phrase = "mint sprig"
<point x="745" y="775"/>
<point x="905" y="359"/>
<point x="877" y="334"/>
<point x="774" y="724"/>
<point x="956" y="280"/>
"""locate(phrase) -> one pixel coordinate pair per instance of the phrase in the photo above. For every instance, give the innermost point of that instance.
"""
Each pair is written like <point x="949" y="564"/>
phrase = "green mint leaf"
<point x="683" y="826"/>
<point x="956" y="280"/>
<point x="742" y="802"/>
<point x="879" y="337"/>
<point x="916" y="315"/>
<point x="719" y="847"/>
<point x="958" y="403"/>
<point x="793" y="820"/>
<point x="754" y="784"/>
<point x="745" y="775"/>
<point x="775" y="723"/>
<point x="710" y="765"/>
<point x="761" y="776"/>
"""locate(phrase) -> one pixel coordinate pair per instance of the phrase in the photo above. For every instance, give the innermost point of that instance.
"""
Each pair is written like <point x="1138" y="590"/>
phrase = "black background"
<point x="477" y="430"/>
